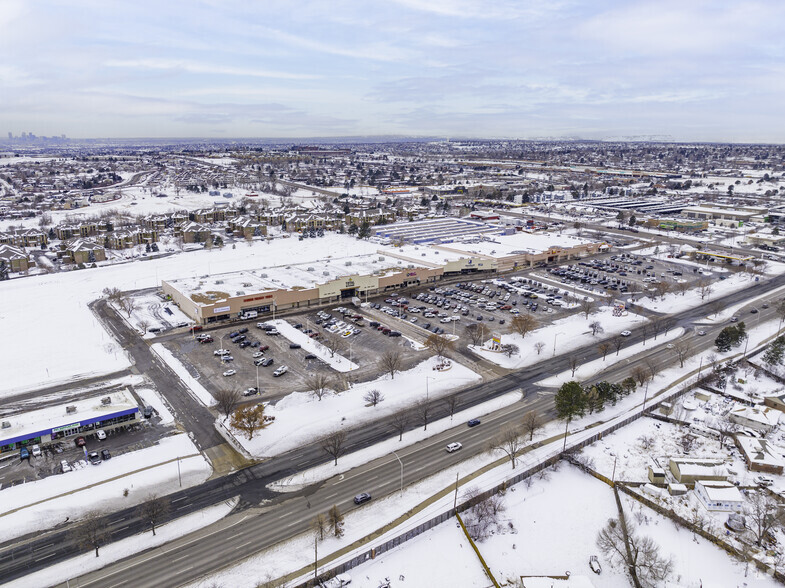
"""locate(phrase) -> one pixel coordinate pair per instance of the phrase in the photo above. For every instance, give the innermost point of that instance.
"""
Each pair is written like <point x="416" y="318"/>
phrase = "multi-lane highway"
<point x="285" y="516"/>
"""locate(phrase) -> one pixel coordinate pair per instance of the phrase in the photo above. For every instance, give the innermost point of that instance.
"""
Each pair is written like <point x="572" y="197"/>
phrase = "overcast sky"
<point x="688" y="69"/>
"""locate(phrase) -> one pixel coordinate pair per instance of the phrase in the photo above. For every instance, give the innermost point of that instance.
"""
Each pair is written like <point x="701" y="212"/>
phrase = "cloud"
<point x="204" y="68"/>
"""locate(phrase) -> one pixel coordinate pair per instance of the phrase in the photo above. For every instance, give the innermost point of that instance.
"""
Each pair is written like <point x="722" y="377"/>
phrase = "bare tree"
<point x="587" y="306"/>
<point x="509" y="442"/>
<point x="333" y="444"/>
<point x="764" y="515"/>
<point x="391" y="362"/>
<point x="226" y="401"/>
<point x="373" y="397"/>
<point x="127" y="305"/>
<point x="596" y="327"/>
<point x="319" y="525"/>
<point x="705" y="287"/>
<point x="662" y="288"/>
<point x="154" y="510"/>
<point x="113" y="294"/>
<point x="451" y="402"/>
<point x="604" y="348"/>
<point x="318" y="384"/>
<point x="333" y="343"/>
<point x="248" y="419"/>
<point x="477" y="333"/>
<point x="539" y="346"/>
<point x="400" y="420"/>
<point x="618" y="342"/>
<point x="726" y="428"/>
<point x="716" y="306"/>
<point x="93" y="532"/>
<point x="681" y="287"/>
<point x="510" y="349"/>
<point x="144" y="324"/>
<point x="682" y="349"/>
<point x="523" y="324"/>
<point x="656" y="325"/>
<point x="335" y="521"/>
<point x="641" y="374"/>
<point x="652" y="367"/>
<point x="438" y="344"/>
<point x="424" y="408"/>
<point x="641" y="558"/>
<point x="482" y="518"/>
<point x="531" y="423"/>
<point x="574" y="361"/>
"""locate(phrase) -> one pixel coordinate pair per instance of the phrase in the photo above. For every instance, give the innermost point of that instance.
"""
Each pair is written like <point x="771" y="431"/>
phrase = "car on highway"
<point x="280" y="371"/>
<point x="361" y="498"/>
<point x="474" y="422"/>
<point x="734" y="319"/>
<point x="754" y="311"/>
<point x="228" y="373"/>
<point x="453" y="447"/>
<point x="625" y="333"/>
<point x="65" y="466"/>
<point x="669" y="346"/>
<point x="701" y="333"/>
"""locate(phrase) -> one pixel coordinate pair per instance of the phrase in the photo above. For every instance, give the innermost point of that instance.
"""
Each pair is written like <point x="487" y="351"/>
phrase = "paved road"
<point x="290" y="514"/>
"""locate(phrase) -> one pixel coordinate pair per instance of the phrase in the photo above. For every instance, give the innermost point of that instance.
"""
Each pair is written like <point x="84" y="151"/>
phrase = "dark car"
<point x="360" y="498"/>
<point x="243" y="330"/>
<point x="24" y="453"/>
<point x="80" y="442"/>
<point x="474" y="422"/>
<point x="294" y="346"/>
<point x="94" y="458"/>
<point x="234" y="334"/>
<point x="148" y="412"/>
<point x="105" y="455"/>
<point x="310" y="356"/>
<point x="251" y="391"/>
<point x="267" y="361"/>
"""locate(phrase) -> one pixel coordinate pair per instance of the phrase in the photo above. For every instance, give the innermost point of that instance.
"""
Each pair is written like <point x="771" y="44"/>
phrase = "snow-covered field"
<point x="47" y="502"/>
<point x="118" y="550"/>
<point x="562" y="335"/>
<point x="58" y="303"/>
<point x="676" y="302"/>
<point x="301" y="418"/>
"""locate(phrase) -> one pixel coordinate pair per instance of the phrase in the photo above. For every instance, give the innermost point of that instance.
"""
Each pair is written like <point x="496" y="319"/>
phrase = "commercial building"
<point x="80" y="417"/>
<point x="719" y="496"/>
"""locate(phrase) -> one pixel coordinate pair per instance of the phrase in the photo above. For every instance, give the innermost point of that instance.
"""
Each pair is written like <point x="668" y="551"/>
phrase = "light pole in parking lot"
<point x="400" y="462"/>
<point x="257" y="378"/>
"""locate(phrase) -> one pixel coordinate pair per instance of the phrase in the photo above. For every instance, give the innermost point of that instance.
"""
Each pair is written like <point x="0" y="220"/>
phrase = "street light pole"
<point x="554" y="343"/>
<point x="257" y="378"/>
<point x="400" y="462"/>
<point x="426" y="386"/>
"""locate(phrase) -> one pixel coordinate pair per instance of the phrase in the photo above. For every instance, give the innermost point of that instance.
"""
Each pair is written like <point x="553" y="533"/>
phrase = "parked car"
<point x="101" y="434"/>
<point x="148" y="412"/>
<point x="35" y="450"/>
<point x="361" y="498"/>
<point x="280" y="371"/>
<point x="24" y="453"/>
<point x="294" y="346"/>
<point x="65" y="466"/>
<point x="267" y="361"/>
<point x="94" y="458"/>
<point x="228" y="373"/>
<point x="310" y="356"/>
<point x="453" y="447"/>
<point x="764" y="481"/>
<point x="105" y="455"/>
<point x="251" y="391"/>
<point x="80" y="441"/>
<point x="258" y="354"/>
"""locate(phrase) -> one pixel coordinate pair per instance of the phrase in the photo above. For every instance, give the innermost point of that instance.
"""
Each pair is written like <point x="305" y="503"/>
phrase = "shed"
<point x="657" y="476"/>
<point x="677" y="489"/>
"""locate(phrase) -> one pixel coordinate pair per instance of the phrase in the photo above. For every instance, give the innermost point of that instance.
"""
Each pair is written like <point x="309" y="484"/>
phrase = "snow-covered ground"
<point x="301" y="418"/>
<point x="118" y="550"/>
<point x="591" y="368"/>
<point x="153" y="470"/>
<point x="676" y="302"/>
<point x="562" y="335"/>
<point x="58" y="303"/>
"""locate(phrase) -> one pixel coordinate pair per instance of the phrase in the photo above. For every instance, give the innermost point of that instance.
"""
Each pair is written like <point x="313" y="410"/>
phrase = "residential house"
<point x="83" y="251"/>
<point x="687" y="470"/>
<point x="194" y="232"/>
<point x="759" y="454"/>
<point x="15" y="258"/>
<point x="246" y="227"/>
<point x="719" y="496"/>
<point x="762" y="420"/>
<point x="776" y="401"/>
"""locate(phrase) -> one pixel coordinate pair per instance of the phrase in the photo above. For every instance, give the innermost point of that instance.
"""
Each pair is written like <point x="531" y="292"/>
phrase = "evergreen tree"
<point x="3" y="270"/>
<point x="570" y="402"/>
<point x="724" y="340"/>
<point x="775" y="352"/>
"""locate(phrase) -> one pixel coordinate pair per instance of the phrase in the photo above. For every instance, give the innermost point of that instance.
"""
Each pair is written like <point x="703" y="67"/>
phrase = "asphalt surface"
<point x="287" y="515"/>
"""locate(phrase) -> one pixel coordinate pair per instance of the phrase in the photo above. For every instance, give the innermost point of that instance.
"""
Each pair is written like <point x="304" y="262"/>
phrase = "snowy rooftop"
<point x="760" y="451"/>
<point x="286" y="277"/>
<point x="45" y="419"/>
<point x="720" y="491"/>
<point x="430" y="255"/>
<point x="504" y="245"/>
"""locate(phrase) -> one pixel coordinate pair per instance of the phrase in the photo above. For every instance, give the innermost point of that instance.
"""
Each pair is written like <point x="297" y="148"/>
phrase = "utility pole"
<point x="315" y="562"/>
<point x="455" y="500"/>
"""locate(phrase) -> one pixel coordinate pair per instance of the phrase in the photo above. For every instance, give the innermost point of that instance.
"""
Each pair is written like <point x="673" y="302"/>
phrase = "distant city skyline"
<point x="708" y="70"/>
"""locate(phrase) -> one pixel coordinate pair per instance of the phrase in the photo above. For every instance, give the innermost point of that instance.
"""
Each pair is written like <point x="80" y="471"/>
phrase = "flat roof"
<point x="44" y="421"/>
<point x="521" y="243"/>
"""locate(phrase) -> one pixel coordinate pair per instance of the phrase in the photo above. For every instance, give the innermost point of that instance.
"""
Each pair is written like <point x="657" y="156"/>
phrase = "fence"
<point x="437" y="520"/>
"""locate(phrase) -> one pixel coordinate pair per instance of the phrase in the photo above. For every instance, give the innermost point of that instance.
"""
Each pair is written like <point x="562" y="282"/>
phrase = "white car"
<point x="221" y="352"/>
<point x="281" y="371"/>
<point x="101" y="434"/>
<point x="764" y="481"/>
<point x="453" y="447"/>
<point x="258" y="354"/>
<point x="228" y="373"/>
<point x="625" y="333"/>
<point x="65" y="467"/>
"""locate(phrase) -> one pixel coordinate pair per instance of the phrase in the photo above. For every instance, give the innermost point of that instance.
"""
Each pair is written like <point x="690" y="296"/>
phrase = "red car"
<point x="314" y="335"/>
<point x="80" y="442"/>
<point x="264" y="348"/>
